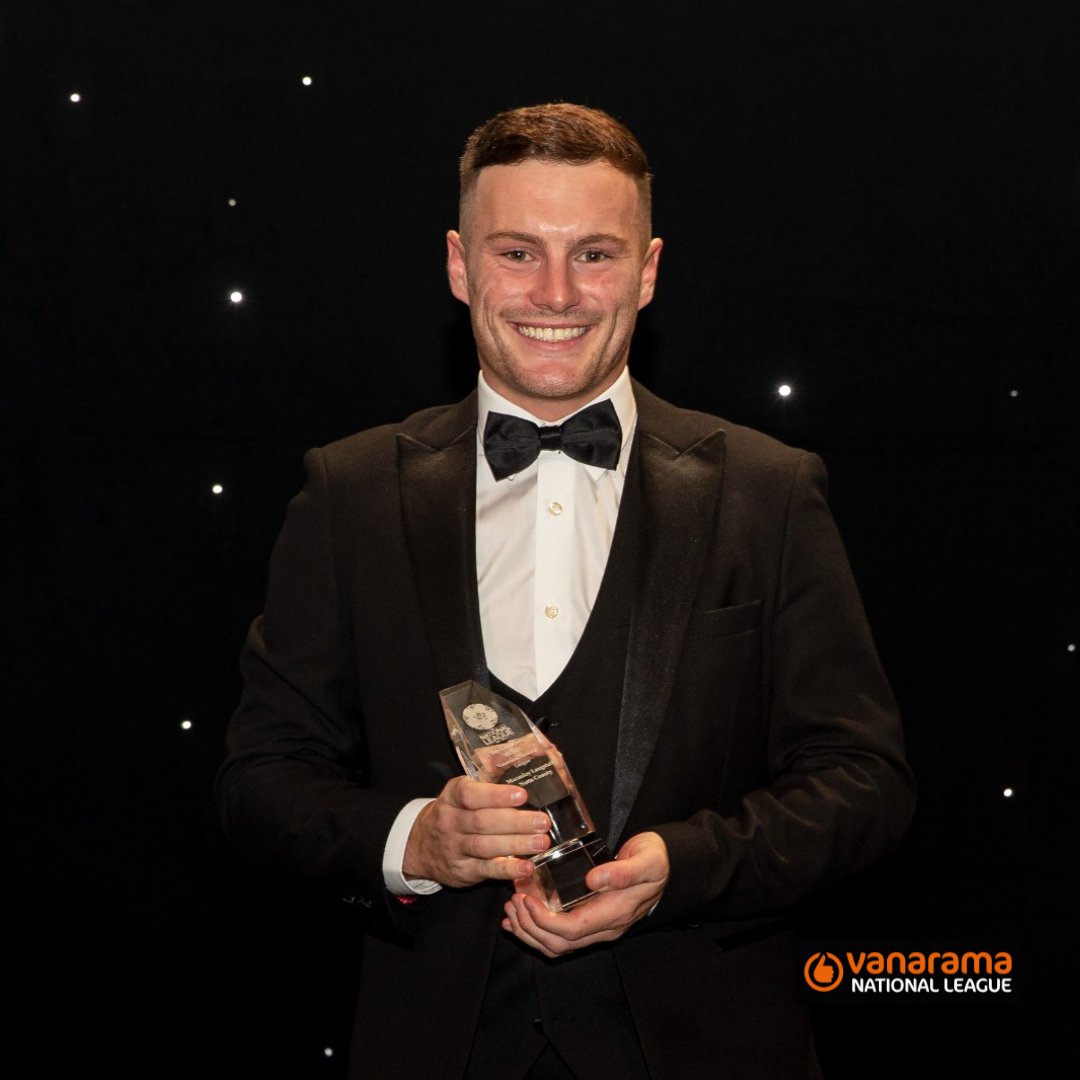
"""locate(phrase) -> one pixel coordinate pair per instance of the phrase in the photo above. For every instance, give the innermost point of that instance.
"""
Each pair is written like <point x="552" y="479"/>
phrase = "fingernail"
<point x="538" y="843"/>
<point x="541" y="824"/>
<point x="603" y="879"/>
<point x="517" y="796"/>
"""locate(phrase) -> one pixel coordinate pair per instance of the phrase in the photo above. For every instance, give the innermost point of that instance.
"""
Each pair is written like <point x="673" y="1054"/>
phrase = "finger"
<point x="642" y="860"/>
<point x="622" y="874"/>
<point x="485" y="846"/>
<point x="515" y="924"/>
<point x="502" y="822"/>
<point x="571" y="926"/>
<point x="505" y="869"/>
<point x="467" y="794"/>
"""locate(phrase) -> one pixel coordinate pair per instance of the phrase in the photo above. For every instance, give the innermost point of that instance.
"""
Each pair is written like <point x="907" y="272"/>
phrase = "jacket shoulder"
<point x="376" y="447"/>
<point x="683" y="428"/>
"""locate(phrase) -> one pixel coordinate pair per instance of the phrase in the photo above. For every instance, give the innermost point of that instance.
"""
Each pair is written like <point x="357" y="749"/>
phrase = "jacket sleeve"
<point x="292" y="793"/>
<point x="835" y="793"/>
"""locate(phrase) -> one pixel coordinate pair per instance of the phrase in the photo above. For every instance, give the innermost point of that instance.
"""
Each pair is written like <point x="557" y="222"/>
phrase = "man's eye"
<point x="516" y="255"/>
<point x="593" y="256"/>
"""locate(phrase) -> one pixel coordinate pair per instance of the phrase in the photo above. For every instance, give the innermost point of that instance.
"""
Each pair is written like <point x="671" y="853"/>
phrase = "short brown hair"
<point x="558" y="132"/>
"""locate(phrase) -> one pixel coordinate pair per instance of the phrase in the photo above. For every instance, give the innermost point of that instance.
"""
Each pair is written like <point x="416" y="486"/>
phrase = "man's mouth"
<point x="551" y="333"/>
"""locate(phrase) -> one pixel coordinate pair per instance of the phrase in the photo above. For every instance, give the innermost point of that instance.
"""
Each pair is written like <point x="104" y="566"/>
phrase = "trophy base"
<point x="561" y="871"/>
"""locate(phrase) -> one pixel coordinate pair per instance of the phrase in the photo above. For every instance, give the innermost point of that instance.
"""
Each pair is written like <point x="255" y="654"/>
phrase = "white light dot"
<point x="185" y="724"/>
<point x="784" y="390"/>
<point x="75" y="98"/>
<point x="1071" y="647"/>
<point x="217" y="489"/>
<point x="306" y="80"/>
<point x="1008" y="793"/>
<point x="232" y="202"/>
<point x="1014" y="393"/>
<point x="236" y="296"/>
<point x="328" y="1051"/>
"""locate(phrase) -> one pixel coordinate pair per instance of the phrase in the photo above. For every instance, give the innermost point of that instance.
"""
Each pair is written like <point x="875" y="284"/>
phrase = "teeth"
<point x="552" y="333"/>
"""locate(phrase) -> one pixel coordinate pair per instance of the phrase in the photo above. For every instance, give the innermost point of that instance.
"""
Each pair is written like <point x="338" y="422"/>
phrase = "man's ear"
<point x="455" y="266"/>
<point x="649" y="270"/>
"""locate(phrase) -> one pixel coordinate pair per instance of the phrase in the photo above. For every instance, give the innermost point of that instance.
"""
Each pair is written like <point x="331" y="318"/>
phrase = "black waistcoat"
<point x="577" y="1002"/>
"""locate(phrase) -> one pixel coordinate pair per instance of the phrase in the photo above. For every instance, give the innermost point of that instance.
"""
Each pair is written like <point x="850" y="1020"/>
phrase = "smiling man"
<point x="555" y="261"/>
<point x="663" y="590"/>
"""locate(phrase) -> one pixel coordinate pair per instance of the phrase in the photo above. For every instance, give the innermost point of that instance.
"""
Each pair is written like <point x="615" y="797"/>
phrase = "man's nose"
<point x="554" y="287"/>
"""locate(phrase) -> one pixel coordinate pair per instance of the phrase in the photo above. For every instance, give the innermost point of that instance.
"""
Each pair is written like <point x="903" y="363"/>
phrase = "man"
<point x="677" y="607"/>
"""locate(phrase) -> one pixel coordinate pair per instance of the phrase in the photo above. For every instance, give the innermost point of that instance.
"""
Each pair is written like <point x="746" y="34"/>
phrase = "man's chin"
<point x="550" y="399"/>
<point x="552" y="381"/>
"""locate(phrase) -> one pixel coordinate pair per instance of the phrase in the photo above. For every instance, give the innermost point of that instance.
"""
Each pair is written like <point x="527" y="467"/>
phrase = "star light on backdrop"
<point x="217" y="489"/>
<point x="236" y="296"/>
<point x="784" y="390"/>
<point x="306" y="80"/>
<point x="75" y="98"/>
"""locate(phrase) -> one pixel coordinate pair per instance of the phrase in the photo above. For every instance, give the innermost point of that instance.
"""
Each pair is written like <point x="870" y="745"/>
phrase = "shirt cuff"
<point x="394" y="854"/>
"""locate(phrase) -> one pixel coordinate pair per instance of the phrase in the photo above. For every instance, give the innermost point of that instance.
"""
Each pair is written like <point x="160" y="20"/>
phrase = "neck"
<point x="550" y="410"/>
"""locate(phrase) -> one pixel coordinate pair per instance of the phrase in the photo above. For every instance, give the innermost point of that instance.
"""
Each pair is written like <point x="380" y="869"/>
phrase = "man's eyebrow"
<point x="521" y="237"/>
<point x="529" y="238"/>
<point x="602" y="238"/>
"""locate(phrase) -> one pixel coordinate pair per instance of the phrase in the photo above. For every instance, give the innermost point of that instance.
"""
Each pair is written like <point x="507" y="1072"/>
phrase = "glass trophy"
<point x="498" y="744"/>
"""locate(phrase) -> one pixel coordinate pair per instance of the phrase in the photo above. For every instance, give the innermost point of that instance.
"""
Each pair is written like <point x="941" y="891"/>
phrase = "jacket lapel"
<point x="437" y="478"/>
<point x="676" y="485"/>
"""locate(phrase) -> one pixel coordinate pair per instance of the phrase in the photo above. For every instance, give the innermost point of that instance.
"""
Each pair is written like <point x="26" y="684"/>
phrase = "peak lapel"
<point x="437" y="480"/>
<point x="677" y="484"/>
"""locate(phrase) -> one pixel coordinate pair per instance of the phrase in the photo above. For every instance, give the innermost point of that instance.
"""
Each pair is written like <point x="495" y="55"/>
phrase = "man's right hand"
<point x="472" y="832"/>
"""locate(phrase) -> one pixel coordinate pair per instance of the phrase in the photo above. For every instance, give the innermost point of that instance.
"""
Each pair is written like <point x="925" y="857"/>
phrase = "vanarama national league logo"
<point x="840" y="972"/>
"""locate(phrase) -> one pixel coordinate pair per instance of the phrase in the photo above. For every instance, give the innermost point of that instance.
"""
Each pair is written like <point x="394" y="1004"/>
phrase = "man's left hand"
<point x="633" y="883"/>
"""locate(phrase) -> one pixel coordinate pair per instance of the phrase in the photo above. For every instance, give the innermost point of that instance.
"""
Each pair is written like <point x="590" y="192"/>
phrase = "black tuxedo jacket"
<point x="757" y="733"/>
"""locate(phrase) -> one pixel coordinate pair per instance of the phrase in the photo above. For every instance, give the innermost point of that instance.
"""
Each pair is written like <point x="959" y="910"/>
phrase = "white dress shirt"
<point x="542" y="542"/>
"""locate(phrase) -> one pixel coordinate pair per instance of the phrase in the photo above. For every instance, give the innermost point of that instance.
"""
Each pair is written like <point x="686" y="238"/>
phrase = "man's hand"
<point x="634" y="882"/>
<point x="472" y="832"/>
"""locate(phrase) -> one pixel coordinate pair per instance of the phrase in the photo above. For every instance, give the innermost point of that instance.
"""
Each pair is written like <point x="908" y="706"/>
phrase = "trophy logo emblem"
<point x="480" y="717"/>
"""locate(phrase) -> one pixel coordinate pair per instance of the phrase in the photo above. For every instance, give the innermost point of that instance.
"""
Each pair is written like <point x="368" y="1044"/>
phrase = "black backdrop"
<point x="875" y="202"/>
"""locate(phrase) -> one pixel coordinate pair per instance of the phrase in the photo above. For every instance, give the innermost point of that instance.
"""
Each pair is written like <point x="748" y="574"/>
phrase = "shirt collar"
<point x="621" y="393"/>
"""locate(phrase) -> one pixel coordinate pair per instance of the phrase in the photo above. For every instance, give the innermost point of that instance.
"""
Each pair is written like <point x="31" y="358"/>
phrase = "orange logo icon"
<point x="823" y="971"/>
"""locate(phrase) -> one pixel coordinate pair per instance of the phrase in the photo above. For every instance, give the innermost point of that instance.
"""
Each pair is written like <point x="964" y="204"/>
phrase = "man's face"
<point x="554" y="263"/>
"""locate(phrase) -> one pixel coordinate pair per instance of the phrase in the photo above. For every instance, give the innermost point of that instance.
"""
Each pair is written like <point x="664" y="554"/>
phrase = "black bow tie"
<point x="592" y="436"/>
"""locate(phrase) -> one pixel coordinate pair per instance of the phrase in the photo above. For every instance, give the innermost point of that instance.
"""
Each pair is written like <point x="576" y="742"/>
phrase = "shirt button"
<point x="555" y="509"/>
<point x="551" y="611"/>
